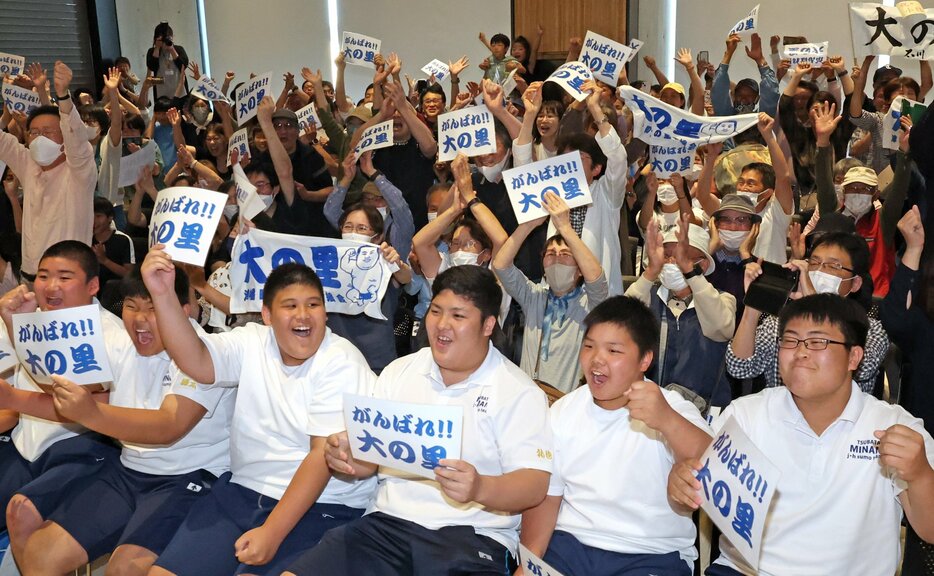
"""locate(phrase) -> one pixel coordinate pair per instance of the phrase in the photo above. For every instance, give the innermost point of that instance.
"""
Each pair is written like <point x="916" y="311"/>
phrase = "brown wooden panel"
<point x="562" y="20"/>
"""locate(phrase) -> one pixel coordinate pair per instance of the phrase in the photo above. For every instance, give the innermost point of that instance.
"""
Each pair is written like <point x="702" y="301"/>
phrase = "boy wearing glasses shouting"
<point x="851" y="464"/>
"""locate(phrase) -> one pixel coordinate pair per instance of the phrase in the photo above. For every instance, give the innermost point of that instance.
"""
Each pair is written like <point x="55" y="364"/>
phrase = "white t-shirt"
<point x="32" y="436"/>
<point x="279" y="407"/>
<point x="836" y="510"/>
<point x="143" y="382"/>
<point x="771" y="245"/>
<point x="505" y="429"/>
<point x="612" y="474"/>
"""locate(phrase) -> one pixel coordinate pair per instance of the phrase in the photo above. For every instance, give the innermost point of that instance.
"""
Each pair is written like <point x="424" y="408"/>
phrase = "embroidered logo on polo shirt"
<point x="864" y="450"/>
<point x="188" y="383"/>
<point x="485" y="556"/>
<point x="167" y="380"/>
<point x="481" y="403"/>
<point x="543" y="454"/>
<point x="193" y="487"/>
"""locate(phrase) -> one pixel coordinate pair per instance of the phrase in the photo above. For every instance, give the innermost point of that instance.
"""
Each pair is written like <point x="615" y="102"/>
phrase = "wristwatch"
<point x="66" y="96"/>
<point x="376" y="174"/>
<point x="749" y="260"/>
<point x="476" y="200"/>
<point x="695" y="271"/>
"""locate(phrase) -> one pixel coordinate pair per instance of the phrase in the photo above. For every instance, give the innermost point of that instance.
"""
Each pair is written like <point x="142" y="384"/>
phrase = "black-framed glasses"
<point x="791" y="343"/>
<point x="815" y="264"/>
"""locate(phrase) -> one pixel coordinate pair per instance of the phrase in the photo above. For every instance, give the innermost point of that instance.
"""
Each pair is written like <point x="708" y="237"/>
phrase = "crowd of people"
<point x="595" y="352"/>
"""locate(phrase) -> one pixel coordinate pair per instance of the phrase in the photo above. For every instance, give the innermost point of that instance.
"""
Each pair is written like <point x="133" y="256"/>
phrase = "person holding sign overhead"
<point x="465" y="519"/>
<point x="851" y="464"/>
<point x="291" y="373"/>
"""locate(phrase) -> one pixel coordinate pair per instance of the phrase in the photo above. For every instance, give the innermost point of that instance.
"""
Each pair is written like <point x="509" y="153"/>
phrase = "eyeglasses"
<point x="858" y="189"/>
<point x="213" y="139"/>
<point x="562" y="257"/>
<point x="458" y="245"/>
<point x="283" y="124"/>
<point x="791" y="343"/>
<point x="359" y="228"/>
<point x="48" y="133"/>
<point x="815" y="264"/>
<point x="737" y="221"/>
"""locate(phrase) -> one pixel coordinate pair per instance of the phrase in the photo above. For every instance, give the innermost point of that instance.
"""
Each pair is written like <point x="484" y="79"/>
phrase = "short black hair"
<point x="122" y="60"/>
<point x="98" y="113"/>
<point x="432" y="89"/>
<point x="554" y="106"/>
<point x="524" y="42"/>
<point x="474" y="283"/>
<point x="476" y="232"/>
<point x="631" y="315"/>
<point x="858" y="250"/>
<point x="162" y="104"/>
<point x="500" y="39"/>
<point x="842" y="313"/>
<point x="76" y="251"/>
<point x="584" y="143"/>
<point x="288" y="275"/>
<point x="765" y="170"/>
<point x="135" y="122"/>
<point x="103" y="206"/>
<point x="76" y="96"/>
<point x="47" y="110"/>
<point x="265" y="168"/>
<point x="372" y="215"/>
<point x="132" y="285"/>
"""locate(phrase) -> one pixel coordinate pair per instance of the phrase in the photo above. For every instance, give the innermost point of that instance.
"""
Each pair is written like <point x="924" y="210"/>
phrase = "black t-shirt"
<point x="118" y="248"/>
<point x="307" y="218"/>
<point x="529" y="257"/>
<point x="411" y="172"/>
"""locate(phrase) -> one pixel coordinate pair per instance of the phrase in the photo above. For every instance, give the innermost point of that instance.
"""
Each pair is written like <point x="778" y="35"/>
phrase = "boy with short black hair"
<point x="465" y="520"/>
<point x="851" y="464"/>
<point x="113" y="248"/>
<point x="175" y="438"/>
<point x="500" y="63"/>
<point x="603" y="516"/>
<point x="291" y="373"/>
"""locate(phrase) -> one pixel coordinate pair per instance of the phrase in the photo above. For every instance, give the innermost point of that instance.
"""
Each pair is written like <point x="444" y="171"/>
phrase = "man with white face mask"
<point x="734" y="229"/>
<point x="697" y="319"/>
<point x="57" y="172"/>
<point x="555" y="308"/>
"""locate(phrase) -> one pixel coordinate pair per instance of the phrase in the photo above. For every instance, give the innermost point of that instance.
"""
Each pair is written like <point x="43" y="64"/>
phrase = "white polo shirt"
<point x="505" y="429"/>
<point x="279" y="407"/>
<point x="836" y="510"/>
<point x="143" y="382"/>
<point x="612" y="474"/>
<point x="32" y="436"/>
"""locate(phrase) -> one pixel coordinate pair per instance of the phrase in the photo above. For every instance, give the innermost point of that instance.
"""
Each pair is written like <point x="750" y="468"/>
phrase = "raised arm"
<point x="280" y="158"/>
<point x="185" y="347"/>
<point x="824" y="120"/>
<point x="111" y="83"/>
<point x="340" y="94"/>
<point x="532" y="98"/>
<point x="926" y="80"/>
<point x="859" y="88"/>
<point x="782" y="177"/>
<point x="420" y="131"/>
<point x="40" y="79"/>
<point x="494" y="99"/>
<point x="536" y="44"/>
<point x="697" y="87"/>
<point x="480" y="211"/>
<point x="704" y="187"/>
<point x="425" y="240"/>
<point x="651" y="65"/>
<point x="589" y="266"/>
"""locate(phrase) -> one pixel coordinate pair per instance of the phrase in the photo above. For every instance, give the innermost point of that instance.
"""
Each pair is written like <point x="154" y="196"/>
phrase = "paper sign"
<point x="748" y="25"/>
<point x="401" y="435"/>
<point x="880" y="29"/>
<point x="184" y="219"/>
<point x="672" y="159"/>
<point x="571" y="76"/>
<point x="470" y="131"/>
<point x="354" y="274"/>
<point x="20" y="99"/>
<point x="68" y="342"/>
<point x="532" y="565"/>
<point x="509" y="84"/>
<point x="8" y="357"/>
<point x="605" y="57"/>
<point x="207" y="89"/>
<point x="375" y="137"/>
<point x="239" y="141"/>
<point x="737" y="486"/>
<point x="249" y="202"/>
<point x="11" y="64"/>
<point x="307" y="117"/>
<point x="132" y="164"/>
<point x="438" y="68"/>
<point x="249" y="96"/>
<point x="563" y="175"/>
<point x="634" y="46"/>
<point x="892" y="123"/>
<point x="359" y="49"/>
<point x="813" y="54"/>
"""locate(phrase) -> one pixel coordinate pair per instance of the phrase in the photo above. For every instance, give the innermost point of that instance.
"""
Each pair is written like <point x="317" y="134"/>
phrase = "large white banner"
<point x="902" y="30"/>
<point x="354" y="274"/>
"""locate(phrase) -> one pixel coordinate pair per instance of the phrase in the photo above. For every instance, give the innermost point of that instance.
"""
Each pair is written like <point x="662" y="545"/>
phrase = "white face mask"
<point x="494" y="173"/>
<point x="672" y="277"/>
<point x="200" y="115"/>
<point x="561" y="277"/>
<point x="825" y="283"/>
<point x="230" y="211"/>
<point x="732" y="239"/>
<point x="44" y="151"/>
<point x="383" y="211"/>
<point x="695" y="171"/>
<point x="432" y="216"/>
<point x="857" y="205"/>
<point x="753" y="197"/>
<point x="838" y="190"/>
<point x="91" y="132"/>
<point x="666" y="194"/>
<point x="356" y="237"/>
<point x="461" y="258"/>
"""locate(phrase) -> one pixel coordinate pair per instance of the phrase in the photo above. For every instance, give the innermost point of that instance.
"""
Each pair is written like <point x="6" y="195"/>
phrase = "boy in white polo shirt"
<point x="607" y="510"/>
<point x="175" y="439"/>
<point x="851" y="464"/>
<point x="291" y="372"/>
<point x="465" y="520"/>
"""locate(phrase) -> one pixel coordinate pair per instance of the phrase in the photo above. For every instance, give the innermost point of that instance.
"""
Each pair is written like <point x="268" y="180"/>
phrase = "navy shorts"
<point x="568" y="555"/>
<point x="204" y="543"/>
<point x="383" y="545"/>
<point x="720" y="570"/>
<point x="72" y="462"/>
<point x="123" y="506"/>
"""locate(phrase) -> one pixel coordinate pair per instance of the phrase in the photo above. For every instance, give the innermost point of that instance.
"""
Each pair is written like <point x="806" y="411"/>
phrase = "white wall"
<point x="285" y="35"/>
